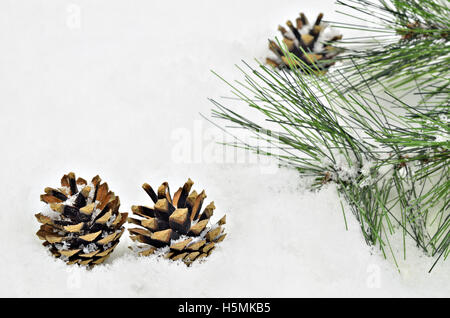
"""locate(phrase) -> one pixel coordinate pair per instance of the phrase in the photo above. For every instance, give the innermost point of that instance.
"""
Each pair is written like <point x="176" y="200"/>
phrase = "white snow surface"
<point x="115" y="88"/>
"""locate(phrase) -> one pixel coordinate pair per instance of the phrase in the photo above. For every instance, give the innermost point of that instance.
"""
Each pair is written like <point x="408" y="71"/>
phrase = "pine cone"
<point x="318" y="51"/>
<point x="81" y="223"/>
<point x="175" y="227"/>
<point x="409" y="31"/>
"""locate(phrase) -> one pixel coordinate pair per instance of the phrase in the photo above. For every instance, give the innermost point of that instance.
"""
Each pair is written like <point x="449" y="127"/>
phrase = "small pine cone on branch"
<point x="307" y="42"/>
<point x="81" y="223"/>
<point x="419" y="31"/>
<point x="176" y="227"/>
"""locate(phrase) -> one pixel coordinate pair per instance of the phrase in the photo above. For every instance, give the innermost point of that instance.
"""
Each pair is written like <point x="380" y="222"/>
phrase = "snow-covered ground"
<point x="115" y="88"/>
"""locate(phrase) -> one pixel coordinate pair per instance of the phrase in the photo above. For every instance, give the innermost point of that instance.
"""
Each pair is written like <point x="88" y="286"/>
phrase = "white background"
<point x="108" y="87"/>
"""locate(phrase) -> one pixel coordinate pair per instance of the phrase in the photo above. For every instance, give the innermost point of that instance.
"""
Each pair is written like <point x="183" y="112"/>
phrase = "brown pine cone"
<point x="81" y="223"/>
<point x="415" y="31"/>
<point x="174" y="227"/>
<point x="308" y="43"/>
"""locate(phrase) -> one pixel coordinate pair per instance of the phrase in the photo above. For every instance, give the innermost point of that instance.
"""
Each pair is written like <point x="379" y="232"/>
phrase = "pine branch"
<point x="391" y="168"/>
<point x="407" y="44"/>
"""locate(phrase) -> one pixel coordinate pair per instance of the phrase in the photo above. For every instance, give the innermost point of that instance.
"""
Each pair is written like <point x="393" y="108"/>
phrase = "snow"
<point x="112" y="93"/>
<point x="111" y="220"/>
<point x="89" y="248"/>
<point x="48" y="211"/>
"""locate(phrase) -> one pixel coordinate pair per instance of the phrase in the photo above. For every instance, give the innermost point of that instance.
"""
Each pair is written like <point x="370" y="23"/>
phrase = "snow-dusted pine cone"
<point x="176" y="228"/>
<point x="81" y="222"/>
<point x="310" y="43"/>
